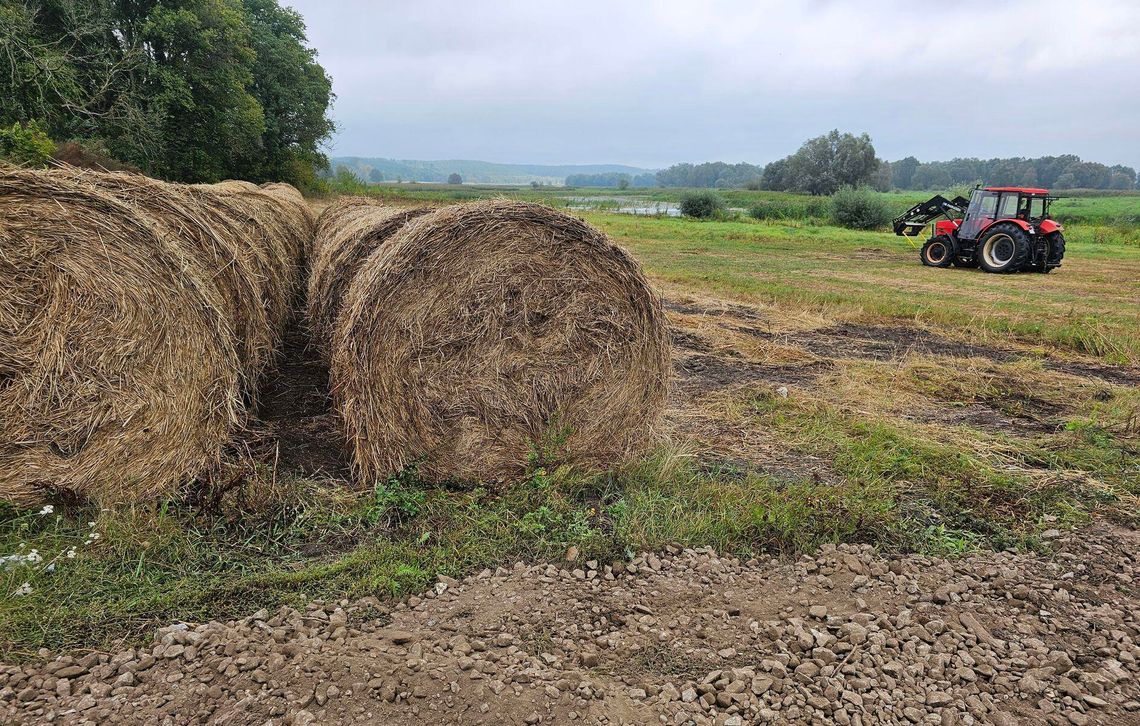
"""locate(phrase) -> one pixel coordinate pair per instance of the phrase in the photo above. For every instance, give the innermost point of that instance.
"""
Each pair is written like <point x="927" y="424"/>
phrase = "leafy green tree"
<point x="375" y="176"/>
<point x="859" y="209"/>
<point x="193" y="90"/>
<point x="454" y="178"/>
<point x="294" y="93"/>
<point x="775" y="176"/>
<point x="603" y="179"/>
<point x="200" y="78"/>
<point x="902" y="172"/>
<point x="930" y="176"/>
<point x="881" y="179"/>
<point x="824" y="164"/>
<point x="708" y="175"/>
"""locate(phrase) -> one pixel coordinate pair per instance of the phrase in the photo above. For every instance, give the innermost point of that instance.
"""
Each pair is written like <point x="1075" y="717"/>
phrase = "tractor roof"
<point x="1023" y="190"/>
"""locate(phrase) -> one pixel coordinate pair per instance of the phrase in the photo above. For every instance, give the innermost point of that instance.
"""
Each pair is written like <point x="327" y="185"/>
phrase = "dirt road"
<point x="677" y="637"/>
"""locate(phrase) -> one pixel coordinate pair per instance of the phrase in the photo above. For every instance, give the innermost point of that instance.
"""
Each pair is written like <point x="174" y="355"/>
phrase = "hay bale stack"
<point x="482" y="332"/>
<point x="348" y="233"/>
<point x="235" y="265"/>
<point x="119" y="378"/>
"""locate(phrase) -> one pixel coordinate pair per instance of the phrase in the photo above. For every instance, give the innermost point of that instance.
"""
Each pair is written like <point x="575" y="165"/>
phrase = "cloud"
<point x="654" y="83"/>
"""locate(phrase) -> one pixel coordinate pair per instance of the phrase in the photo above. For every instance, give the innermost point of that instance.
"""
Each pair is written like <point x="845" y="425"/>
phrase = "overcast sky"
<point x="653" y="83"/>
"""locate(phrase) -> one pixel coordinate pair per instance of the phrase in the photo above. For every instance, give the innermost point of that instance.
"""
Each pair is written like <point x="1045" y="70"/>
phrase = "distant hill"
<point x="474" y="172"/>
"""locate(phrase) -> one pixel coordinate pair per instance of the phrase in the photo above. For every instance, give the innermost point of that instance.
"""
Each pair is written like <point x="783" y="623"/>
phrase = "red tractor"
<point x="1000" y="229"/>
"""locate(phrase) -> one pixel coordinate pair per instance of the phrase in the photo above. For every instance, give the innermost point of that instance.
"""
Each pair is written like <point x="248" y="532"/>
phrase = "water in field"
<point x="625" y="205"/>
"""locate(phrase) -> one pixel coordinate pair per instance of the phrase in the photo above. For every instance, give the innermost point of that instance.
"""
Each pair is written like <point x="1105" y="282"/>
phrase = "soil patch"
<point x="879" y="342"/>
<point x="1116" y="375"/>
<point x="686" y="340"/>
<point x="299" y="431"/>
<point x="985" y="417"/>
<point x="704" y="373"/>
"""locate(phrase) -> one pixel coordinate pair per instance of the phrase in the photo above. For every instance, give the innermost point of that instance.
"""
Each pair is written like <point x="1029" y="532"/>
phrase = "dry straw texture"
<point x="348" y="232"/>
<point x="236" y="265"/>
<point x="296" y="212"/>
<point x="275" y="227"/>
<point x="481" y="333"/>
<point x="118" y="372"/>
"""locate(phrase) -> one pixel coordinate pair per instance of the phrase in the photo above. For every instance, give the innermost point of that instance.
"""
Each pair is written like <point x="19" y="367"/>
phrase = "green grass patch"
<point x="134" y="569"/>
<point x="941" y="497"/>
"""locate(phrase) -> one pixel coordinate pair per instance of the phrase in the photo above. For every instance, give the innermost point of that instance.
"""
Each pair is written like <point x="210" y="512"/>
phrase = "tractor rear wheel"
<point x="937" y="252"/>
<point x="1004" y="248"/>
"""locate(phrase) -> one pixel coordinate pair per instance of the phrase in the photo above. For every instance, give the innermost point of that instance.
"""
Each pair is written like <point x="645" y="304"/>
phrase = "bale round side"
<point x="119" y="380"/>
<point x="256" y="222"/>
<point x="297" y="214"/>
<point x="347" y="235"/>
<point x="483" y="335"/>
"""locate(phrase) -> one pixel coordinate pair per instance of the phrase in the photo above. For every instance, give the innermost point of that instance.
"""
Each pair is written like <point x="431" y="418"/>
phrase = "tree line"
<point x="188" y="90"/>
<point x="835" y="160"/>
<point x="1052" y="172"/>
<point x="621" y="180"/>
<point x="711" y="175"/>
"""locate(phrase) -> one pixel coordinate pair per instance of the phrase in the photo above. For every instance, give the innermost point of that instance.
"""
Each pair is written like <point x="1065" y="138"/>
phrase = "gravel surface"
<point x="682" y="636"/>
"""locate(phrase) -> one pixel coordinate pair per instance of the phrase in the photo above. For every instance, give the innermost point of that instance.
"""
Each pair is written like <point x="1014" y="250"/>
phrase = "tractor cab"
<point x="1000" y="229"/>
<point x="993" y="203"/>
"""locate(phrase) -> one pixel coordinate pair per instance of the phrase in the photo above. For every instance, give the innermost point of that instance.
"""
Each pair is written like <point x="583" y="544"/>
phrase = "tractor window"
<point x="989" y="205"/>
<point x="1036" y="208"/>
<point x="1008" y="207"/>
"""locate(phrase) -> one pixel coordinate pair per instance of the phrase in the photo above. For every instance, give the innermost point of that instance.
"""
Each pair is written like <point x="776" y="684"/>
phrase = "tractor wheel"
<point x="937" y="252"/>
<point x="1056" y="250"/>
<point x="1004" y="248"/>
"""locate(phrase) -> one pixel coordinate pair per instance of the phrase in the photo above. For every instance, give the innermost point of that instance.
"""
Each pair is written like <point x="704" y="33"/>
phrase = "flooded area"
<point x="624" y="205"/>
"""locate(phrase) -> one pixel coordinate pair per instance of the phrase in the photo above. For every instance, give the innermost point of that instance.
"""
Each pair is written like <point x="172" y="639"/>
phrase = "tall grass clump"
<point x="791" y="210"/>
<point x="702" y="205"/>
<point x="859" y="209"/>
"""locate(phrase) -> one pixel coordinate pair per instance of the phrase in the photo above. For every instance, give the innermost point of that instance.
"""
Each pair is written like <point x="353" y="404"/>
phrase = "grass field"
<point x="827" y="388"/>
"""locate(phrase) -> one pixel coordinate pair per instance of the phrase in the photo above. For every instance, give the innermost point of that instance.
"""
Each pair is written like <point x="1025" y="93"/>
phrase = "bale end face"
<point x="488" y="336"/>
<point x="118" y="373"/>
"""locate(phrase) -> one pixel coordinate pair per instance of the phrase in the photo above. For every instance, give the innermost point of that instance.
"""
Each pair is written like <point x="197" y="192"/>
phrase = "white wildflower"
<point x="71" y="554"/>
<point x="25" y="589"/>
<point x="48" y="509"/>
<point x="34" y="556"/>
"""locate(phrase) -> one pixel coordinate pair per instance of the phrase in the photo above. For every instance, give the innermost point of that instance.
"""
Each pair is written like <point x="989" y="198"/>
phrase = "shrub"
<point x="859" y="209"/>
<point x="90" y="154"/>
<point x="702" y="205"/>
<point x="25" y="145"/>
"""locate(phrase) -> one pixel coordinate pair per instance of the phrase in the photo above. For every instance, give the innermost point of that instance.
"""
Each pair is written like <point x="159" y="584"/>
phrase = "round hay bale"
<point x="118" y="376"/>
<point x="257" y="222"/>
<point x="235" y="266"/>
<point x="296" y="211"/>
<point x="235" y="185"/>
<point x="484" y="333"/>
<point x="347" y="236"/>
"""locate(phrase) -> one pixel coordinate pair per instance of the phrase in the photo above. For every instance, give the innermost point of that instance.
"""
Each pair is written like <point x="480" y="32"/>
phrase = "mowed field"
<point x="827" y="388"/>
